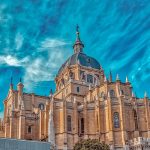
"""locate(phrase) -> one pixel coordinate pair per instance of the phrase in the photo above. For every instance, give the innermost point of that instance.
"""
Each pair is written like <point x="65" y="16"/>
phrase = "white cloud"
<point x="19" y="41"/>
<point x="12" y="60"/>
<point x="51" y="43"/>
<point x="40" y="68"/>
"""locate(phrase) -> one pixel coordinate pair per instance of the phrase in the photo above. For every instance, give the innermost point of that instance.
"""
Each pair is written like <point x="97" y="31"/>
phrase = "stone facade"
<point x="85" y="105"/>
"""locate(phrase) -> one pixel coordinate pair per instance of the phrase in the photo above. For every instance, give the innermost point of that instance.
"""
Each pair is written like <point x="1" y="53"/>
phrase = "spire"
<point x="78" y="46"/>
<point x="20" y="86"/>
<point x="117" y="77"/>
<point x="145" y="94"/>
<point x="110" y="76"/>
<point x="11" y="83"/>
<point x="105" y="79"/>
<point x="133" y="94"/>
<point x="77" y="33"/>
<point x="127" y="81"/>
<point x="51" y="93"/>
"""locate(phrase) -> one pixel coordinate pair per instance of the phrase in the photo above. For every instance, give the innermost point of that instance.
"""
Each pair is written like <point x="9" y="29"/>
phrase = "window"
<point x="116" y="120"/>
<point x="29" y="129"/>
<point x="82" y="125"/>
<point x="78" y="89"/>
<point x="89" y="78"/>
<point x="112" y="93"/>
<point x="69" y="123"/>
<point x="41" y="106"/>
<point x="135" y="119"/>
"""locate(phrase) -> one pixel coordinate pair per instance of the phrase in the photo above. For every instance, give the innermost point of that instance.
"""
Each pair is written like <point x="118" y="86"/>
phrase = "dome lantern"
<point x="78" y="46"/>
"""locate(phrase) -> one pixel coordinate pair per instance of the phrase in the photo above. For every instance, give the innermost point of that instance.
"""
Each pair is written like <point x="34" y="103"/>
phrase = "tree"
<point x="91" y="144"/>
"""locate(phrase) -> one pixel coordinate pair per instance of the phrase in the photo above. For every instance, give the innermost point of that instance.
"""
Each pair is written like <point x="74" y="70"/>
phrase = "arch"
<point x="41" y="106"/>
<point x="69" y="127"/>
<point x="112" y="93"/>
<point x="116" y="120"/>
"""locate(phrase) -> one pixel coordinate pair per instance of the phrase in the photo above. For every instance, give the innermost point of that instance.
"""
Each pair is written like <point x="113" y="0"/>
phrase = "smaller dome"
<point x="82" y="59"/>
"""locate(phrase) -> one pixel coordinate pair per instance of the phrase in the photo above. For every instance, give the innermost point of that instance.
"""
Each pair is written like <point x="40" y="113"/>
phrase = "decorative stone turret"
<point x="78" y="46"/>
<point x="20" y="87"/>
<point x="117" y="77"/>
<point x="11" y="84"/>
<point x="127" y="81"/>
<point x="51" y="94"/>
<point x="20" y="94"/>
<point x="145" y="95"/>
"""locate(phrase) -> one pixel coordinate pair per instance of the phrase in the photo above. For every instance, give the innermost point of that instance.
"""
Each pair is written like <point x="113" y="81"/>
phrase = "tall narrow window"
<point x="82" y="125"/>
<point x="69" y="123"/>
<point x="116" y="120"/>
<point x="135" y="119"/>
<point x="29" y="129"/>
<point x="78" y="89"/>
<point x="89" y="78"/>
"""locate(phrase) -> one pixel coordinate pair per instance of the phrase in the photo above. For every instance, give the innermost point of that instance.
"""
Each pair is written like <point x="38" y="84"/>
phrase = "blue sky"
<point x="36" y="37"/>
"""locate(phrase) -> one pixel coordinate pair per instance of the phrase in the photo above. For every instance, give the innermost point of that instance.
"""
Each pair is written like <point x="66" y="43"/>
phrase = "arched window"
<point x="112" y="93"/>
<point x="89" y="78"/>
<point x="69" y="123"/>
<point x="116" y="120"/>
<point x="41" y="106"/>
<point x="135" y="119"/>
<point x="29" y="129"/>
<point x="82" y="125"/>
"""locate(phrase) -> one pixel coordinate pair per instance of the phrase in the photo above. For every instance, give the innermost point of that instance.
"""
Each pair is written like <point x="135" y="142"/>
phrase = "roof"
<point x="82" y="59"/>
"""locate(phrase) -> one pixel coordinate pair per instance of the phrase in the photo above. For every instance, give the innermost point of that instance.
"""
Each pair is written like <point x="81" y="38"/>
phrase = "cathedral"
<point x="84" y="105"/>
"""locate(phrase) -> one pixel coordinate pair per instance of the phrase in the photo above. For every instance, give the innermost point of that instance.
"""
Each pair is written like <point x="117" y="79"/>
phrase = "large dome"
<point x="81" y="59"/>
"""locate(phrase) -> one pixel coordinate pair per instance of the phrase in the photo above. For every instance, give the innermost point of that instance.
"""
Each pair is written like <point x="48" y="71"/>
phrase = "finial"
<point x="110" y="76"/>
<point x="77" y="32"/>
<point x="51" y="93"/>
<point x="117" y="77"/>
<point x="145" y="94"/>
<point x="11" y="83"/>
<point x="127" y="81"/>
<point x="77" y="28"/>
<point x="105" y="79"/>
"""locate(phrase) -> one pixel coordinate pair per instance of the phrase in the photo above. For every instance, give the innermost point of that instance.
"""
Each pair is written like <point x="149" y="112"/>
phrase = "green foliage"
<point x="90" y="144"/>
